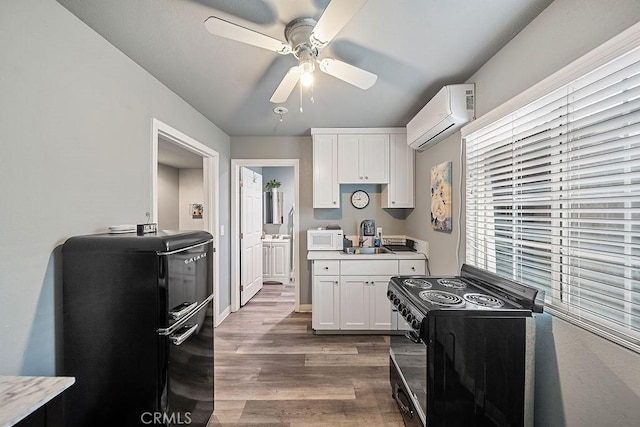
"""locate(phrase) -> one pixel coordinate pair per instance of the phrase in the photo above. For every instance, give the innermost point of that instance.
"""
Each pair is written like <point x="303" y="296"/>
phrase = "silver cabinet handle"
<point x="181" y="310"/>
<point x="185" y="333"/>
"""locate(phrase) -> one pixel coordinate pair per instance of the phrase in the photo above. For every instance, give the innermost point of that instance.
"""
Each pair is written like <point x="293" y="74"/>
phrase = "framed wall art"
<point x="441" y="208"/>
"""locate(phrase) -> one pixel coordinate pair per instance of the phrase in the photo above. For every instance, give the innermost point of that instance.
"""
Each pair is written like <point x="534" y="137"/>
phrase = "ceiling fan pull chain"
<point x="311" y="89"/>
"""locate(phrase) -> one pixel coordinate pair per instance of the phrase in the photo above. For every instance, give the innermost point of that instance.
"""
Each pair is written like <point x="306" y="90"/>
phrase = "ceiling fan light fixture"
<point x="307" y="66"/>
<point x="306" y="79"/>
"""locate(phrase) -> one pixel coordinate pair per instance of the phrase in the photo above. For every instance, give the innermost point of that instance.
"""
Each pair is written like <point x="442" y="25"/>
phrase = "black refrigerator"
<point x="138" y="329"/>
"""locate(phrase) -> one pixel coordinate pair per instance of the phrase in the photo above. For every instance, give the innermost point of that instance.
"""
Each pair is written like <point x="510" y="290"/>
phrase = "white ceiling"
<point x="177" y="157"/>
<point x="414" y="46"/>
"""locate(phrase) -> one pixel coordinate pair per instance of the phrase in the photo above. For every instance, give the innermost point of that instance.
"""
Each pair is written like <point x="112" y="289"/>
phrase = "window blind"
<point x="553" y="198"/>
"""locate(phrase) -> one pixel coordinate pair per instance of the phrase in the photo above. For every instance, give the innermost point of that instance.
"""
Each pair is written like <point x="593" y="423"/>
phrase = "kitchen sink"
<point x="357" y="250"/>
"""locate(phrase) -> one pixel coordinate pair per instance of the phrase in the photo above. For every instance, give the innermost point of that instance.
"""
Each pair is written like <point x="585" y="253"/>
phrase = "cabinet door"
<point x="409" y="267"/>
<point x="266" y="265"/>
<point x="374" y="158"/>
<point x="326" y="303"/>
<point x="400" y="191"/>
<point x="349" y="168"/>
<point x="354" y="302"/>
<point x="279" y="256"/>
<point x="326" y="190"/>
<point x="380" y="306"/>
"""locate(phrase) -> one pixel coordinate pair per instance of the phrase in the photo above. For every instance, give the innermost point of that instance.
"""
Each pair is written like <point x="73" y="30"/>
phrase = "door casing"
<point x="211" y="187"/>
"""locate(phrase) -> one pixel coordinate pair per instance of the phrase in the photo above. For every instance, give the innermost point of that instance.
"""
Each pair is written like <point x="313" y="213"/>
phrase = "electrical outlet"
<point x="378" y="231"/>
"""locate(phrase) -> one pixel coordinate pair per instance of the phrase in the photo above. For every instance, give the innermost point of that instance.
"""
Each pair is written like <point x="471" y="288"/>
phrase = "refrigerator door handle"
<point x="179" y="324"/>
<point x="185" y="249"/>
<point x="181" y="310"/>
<point x="184" y="333"/>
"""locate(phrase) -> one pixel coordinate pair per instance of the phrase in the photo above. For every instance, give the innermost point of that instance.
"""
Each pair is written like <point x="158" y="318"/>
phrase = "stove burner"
<point x="452" y="283"/>
<point x="442" y="298"/>
<point x="418" y="283"/>
<point x="484" y="300"/>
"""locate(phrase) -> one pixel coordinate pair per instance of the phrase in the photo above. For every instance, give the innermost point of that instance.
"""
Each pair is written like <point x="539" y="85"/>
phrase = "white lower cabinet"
<point x="359" y="301"/>
<point x="326" y="303"/>
<point x="364" y="303"/>
<point x="275" y="261"/>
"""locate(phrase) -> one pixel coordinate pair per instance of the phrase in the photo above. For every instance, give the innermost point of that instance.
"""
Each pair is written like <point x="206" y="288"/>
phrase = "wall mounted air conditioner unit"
<point x="445" y="113"/>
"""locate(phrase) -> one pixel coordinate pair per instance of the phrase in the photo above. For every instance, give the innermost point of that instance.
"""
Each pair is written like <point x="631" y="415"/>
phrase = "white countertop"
<point x="339" y="255"/>
<point x="21" y="396"/>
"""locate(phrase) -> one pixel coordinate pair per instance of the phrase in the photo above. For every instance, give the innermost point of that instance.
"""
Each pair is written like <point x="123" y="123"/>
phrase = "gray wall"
<point x="75" y="120"/>
<point x="168" y="197"/>
<point x="191" y="191"/>
<point x="581" y="379"/>
<point x="347" y="216"/>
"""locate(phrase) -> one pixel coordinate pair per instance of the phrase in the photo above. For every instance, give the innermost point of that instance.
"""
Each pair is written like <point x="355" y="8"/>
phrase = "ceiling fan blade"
<point x="350" y="74"/>
<point x="333" y="19"/>
<point x="286" y="86"/>
<point x="229" y="30"/>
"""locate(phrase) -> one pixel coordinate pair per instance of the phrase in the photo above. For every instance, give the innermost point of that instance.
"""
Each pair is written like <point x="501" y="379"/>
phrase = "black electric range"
<point x="466" y="357"/>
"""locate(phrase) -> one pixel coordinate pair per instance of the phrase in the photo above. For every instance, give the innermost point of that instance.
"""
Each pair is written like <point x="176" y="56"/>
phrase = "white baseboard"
<point x="305" y="308"/>
<point x="225" y="313"/>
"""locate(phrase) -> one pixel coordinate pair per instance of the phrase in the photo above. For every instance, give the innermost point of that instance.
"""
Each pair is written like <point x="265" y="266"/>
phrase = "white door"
<point x="251" y="234"/>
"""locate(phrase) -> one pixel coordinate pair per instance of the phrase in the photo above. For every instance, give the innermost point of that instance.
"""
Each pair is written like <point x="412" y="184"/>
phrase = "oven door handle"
<point x="186" y="332"/>
<point x="413" y="337"/>
<point x="396" y="396"/>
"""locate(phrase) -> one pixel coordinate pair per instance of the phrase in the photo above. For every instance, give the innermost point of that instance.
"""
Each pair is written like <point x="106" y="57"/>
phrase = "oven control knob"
<point x="409" y="317"/>
<point x="415" y="324"/>
<point x="405" y="312"/>
<point x="390" y="295"/>
<point x="396" y="300"/>
<point x="401" y="308"/>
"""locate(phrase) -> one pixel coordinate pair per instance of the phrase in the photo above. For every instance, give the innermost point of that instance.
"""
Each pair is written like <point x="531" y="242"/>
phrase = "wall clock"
<point x="360" y="199"/>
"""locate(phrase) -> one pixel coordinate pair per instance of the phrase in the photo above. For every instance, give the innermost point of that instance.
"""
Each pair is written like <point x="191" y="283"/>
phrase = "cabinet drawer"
<point x="323" y="268"/>
<point x="386" y="267"/>
<point x="412" y="266"/>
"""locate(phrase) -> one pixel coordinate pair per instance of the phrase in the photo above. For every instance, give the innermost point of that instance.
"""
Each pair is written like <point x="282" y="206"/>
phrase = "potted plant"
<point x="271" y="185"/>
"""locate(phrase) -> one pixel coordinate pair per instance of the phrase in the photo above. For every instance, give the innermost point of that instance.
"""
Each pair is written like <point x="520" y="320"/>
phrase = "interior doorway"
<point x="174" y="147"/>
<point x="291" y="228"/>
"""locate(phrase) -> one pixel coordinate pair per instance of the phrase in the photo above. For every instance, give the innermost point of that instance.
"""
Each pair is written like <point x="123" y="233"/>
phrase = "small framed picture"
<point x="196" y="210"/>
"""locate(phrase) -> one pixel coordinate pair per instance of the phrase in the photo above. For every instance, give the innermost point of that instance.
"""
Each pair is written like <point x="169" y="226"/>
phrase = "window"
<point x="553" y="198"/>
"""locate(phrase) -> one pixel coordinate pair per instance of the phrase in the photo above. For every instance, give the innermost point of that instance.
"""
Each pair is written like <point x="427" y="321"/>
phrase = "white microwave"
<point x="324" y="240"/>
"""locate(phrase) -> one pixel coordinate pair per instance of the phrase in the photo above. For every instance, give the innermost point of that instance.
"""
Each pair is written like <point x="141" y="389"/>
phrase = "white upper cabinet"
<point x="326" y="189"/>
<point x="400" y="192"/>
<point x="363" y="158"/>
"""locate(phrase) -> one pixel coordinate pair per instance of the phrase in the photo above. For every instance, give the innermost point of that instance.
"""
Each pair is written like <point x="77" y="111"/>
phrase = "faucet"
<point x="367" y="227"/>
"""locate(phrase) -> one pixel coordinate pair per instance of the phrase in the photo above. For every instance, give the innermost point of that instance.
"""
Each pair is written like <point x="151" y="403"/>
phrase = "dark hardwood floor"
<point x="271" y="369"/>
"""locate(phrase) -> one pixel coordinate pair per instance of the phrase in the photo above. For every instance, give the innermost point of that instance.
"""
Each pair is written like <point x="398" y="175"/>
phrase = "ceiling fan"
<point x="305" y="40"/>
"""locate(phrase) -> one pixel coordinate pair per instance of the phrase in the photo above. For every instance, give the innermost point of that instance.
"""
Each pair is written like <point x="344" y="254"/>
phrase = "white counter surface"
<point x="21" y="396"/>
<point x="339" y="255"/>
